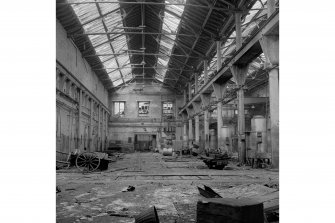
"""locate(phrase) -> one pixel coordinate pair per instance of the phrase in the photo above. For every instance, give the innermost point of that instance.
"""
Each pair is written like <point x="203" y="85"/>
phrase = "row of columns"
<point x="102" y="112"/>
<point x="270" y="47"/>
<point x="102" y="119"/>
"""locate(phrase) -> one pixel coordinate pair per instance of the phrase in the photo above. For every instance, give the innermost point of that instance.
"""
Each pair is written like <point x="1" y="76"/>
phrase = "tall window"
<point x="143" y="108"/>
<point x="119" y="108"/>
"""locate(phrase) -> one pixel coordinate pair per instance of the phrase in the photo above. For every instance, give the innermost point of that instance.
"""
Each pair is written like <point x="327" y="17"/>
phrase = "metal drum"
<point x="258" y="138"/>
<point x="167" y="151"/>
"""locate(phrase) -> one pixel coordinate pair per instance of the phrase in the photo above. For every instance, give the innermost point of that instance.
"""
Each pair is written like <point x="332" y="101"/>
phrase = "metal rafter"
<point x="203" y="25"/>
<point x="108" y="37"/>
<point x="139" y="53"/>
<point x="211" y="7"/>
<point x="92" y="20"/>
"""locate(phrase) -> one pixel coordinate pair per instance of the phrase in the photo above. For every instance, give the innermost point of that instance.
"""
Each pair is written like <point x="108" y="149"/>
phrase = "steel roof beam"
<point x="203" y="25"/>
<point x="138" y="53"/>
<point x="108" y="37"/>
<point x="210" y="7"/>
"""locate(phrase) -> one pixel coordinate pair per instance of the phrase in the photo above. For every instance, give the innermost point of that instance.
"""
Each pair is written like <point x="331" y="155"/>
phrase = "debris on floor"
<point x="147" y="216"/>
<point x="208" y="192"/>
<point x="216" y="210"/>
<point x="129" y="188"/>
<point x="58" y="189"/>
<point x="168" y="186"/>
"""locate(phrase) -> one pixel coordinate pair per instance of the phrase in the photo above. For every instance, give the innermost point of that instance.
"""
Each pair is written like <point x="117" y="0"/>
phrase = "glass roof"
<point x="101" y="18"/>
<point x="112" y="49"/>
<point x="170" y="25"/>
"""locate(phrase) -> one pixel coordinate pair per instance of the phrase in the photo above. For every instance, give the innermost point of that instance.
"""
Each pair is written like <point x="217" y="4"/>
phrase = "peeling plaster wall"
<point x="75" y="69"/>
<point x="70" y="57"/>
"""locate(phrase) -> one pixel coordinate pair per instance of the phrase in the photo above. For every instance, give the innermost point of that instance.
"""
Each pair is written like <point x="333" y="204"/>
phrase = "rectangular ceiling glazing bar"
<point x="108" y="37"/>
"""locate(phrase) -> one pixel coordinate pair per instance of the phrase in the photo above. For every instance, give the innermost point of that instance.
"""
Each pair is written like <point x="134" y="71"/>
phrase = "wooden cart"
<point x="84" y="161"/>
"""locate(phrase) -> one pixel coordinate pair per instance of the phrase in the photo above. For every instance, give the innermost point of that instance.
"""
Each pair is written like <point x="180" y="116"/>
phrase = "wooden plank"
<point x="229" y="210"/>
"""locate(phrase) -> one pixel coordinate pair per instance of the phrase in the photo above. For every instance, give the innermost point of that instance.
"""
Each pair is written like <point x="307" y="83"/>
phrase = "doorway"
<point x="144" y="142"/>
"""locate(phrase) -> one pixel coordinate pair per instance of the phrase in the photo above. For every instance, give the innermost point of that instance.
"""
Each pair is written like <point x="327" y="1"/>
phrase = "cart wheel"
<point x="87" y="161"/>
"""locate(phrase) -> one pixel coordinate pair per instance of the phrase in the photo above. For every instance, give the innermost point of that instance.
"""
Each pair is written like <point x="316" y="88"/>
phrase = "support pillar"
<point x="99" y="133"/>
<point x="206" y="126"/>
<point x="270" y="47"/>
<point x="239" y="74"/>
<point x="219" y="91"/>
<point x="221" y="142"/>
<point x="274" y="115"/>
<point x="197" y="132"/>
<point x="105" y="127"/>
<point x="79" y="119"/>
<point x="185" y="137"/>
<point x="106" y="136"/>
<point x="90" y="144"/>
<point x="190" y="131"/>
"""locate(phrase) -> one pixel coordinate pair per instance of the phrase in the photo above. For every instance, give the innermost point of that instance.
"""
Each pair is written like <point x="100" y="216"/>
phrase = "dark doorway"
<point x="143" y="142"/>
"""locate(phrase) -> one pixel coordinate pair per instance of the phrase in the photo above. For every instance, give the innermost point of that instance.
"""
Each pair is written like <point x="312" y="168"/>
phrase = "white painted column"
<point x="79" y="119"/>
<point x="185" y="137"/>
<point x="91" y="126"/>
<point x="206" y="126"/>
<point x="197" y="130"/>
<point x="107" y="119"/>
<point x="274" y="115"/>
<point x="221" y="143"/>
<point x="190" y="130"/>
<point x="241" y="126"/>
<point x="99" y="132"/>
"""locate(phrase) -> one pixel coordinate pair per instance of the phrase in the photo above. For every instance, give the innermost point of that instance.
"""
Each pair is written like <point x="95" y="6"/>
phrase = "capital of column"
<point x="269" y="66"/>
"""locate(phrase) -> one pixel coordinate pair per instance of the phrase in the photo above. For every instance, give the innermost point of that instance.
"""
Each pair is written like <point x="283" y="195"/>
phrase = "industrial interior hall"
<point x="167" y="111"/>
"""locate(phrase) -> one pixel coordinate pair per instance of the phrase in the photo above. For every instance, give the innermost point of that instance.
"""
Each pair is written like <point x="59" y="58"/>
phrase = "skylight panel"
<point x="163" y="62"/>
<point x="110" y="64"/>
<point x="120" y="43"/>
<point x="170" y="25"/>
<point x="159" y="78"/>
<point x="85" y="12"/>
<point x="117" y="82"/>
<point x="114" y="75"/>
<point x="97" y="39"/>
<point x="109" y="23"/>
<point x="123" y="59"/>
<point x="106" y="7"/>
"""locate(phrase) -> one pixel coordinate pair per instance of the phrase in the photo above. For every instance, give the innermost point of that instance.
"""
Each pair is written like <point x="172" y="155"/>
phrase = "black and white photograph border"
<point x="194" y="165"/>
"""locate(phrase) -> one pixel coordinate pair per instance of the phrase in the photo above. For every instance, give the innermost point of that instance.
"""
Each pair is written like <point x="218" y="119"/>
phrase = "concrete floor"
<point x="169" y="184"/>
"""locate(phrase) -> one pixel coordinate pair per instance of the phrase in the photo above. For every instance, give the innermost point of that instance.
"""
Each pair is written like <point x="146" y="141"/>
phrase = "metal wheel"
<point x="87" y="162"/>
